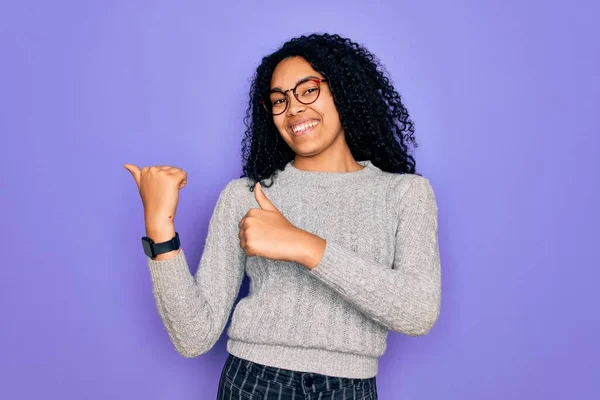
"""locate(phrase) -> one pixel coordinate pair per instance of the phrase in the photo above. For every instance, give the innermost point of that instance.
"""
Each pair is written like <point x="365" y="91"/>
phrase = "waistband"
<point x="318" y="361"/>
<point x="303" y="381"/>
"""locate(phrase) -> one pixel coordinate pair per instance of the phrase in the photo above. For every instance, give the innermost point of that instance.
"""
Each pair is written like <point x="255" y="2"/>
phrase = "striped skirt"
<point x="245" y="380"/>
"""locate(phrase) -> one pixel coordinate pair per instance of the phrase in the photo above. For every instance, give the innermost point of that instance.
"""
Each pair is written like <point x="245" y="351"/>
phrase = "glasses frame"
<point x="318" y="81"/>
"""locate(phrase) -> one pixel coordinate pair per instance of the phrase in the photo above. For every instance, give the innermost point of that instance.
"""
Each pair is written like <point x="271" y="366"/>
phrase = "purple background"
<point x="505" y="99"/>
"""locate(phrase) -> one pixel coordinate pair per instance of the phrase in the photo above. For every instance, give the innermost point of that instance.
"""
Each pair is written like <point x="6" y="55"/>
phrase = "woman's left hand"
<point x="265" y="232"/>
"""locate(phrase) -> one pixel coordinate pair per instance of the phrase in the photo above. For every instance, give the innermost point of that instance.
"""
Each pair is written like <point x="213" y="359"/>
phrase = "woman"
<point x="336" y="231"/>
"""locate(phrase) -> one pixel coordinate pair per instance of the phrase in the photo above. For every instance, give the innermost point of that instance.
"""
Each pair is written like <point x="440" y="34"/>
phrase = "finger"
<point x="243" y="240"/>
<point x="182" y="183"/>
<point x="183" y="179"/>
<point x="178" y="174"/>
<point x="262" y="200"/>
<point x="135" y="172"/>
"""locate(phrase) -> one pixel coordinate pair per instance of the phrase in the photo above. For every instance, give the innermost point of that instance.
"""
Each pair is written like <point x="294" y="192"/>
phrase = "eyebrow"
<point x="277" y="88"/>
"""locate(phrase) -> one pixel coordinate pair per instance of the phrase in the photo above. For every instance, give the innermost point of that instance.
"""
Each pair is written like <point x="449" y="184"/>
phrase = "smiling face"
<point x="309" y="129"/>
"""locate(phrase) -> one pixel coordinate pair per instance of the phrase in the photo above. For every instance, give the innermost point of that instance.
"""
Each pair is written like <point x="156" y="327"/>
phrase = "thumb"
<point x="262" y="200"/>
<point x="135" y="172"/>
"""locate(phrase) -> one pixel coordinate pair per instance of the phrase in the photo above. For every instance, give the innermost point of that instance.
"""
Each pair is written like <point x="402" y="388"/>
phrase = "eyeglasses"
<point x="306" y="92"/>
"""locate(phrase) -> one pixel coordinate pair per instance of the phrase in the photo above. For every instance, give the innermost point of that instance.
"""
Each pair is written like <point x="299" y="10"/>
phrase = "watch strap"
<point x="169" y="245"/>
<point x="153" y="249"/>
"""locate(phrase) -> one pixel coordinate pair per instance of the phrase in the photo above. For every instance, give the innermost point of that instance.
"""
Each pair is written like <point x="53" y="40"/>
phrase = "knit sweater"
<point x="380" y="271"/>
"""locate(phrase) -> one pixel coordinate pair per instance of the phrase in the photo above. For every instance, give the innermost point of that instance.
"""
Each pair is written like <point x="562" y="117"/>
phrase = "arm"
<point x="406" y="297"/>
<point x="195" y="310"/>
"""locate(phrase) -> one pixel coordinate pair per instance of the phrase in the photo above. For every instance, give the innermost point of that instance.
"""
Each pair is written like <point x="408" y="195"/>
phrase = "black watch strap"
<point x="152" y="249"/>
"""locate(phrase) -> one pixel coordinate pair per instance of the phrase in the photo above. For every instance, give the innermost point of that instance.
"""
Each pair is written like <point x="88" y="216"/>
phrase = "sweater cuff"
<point x="167" y="273"/>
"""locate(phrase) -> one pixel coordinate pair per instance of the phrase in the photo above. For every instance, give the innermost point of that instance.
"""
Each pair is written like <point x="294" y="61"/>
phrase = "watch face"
<point x="148" y="248"/>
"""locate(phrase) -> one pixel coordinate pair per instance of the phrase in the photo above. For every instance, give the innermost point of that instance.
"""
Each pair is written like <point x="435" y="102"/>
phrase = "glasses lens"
<point x="307" y="92"/>
<point x="276" y="103"/>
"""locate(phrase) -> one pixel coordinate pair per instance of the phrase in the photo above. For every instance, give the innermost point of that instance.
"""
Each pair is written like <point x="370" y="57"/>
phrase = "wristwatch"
<point x="153" y="249"/>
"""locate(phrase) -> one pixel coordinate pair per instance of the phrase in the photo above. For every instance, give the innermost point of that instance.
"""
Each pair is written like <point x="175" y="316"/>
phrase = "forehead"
<point x="290" y="71"/>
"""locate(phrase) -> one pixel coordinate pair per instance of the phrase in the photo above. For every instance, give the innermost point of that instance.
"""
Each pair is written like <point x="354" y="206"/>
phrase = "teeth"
<point x="304" y="126"/>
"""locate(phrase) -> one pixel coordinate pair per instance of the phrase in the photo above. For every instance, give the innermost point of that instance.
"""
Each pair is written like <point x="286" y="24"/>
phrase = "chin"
<point x="310" y="145"/>
<point x="307" y="151"/>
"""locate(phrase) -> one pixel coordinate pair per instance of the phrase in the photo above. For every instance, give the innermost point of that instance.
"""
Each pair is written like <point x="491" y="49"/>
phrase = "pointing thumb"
<point x="135" y="172"/>
<point x="262" y="200"/>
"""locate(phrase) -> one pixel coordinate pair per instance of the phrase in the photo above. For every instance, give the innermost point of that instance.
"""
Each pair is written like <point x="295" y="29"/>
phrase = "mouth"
<point x="304" y="127"/>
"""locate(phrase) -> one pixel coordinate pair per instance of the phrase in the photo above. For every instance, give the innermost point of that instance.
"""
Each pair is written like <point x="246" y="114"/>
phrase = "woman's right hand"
<point x="159" y="188"/>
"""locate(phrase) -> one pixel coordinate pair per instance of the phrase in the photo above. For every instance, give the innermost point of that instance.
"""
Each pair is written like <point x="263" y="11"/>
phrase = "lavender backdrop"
<point x="505" y="96"/>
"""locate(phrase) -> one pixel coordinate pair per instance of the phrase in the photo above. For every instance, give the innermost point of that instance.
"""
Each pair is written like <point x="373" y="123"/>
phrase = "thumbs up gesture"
<point x="265" y="232"/>
<point x="159" y="189"/>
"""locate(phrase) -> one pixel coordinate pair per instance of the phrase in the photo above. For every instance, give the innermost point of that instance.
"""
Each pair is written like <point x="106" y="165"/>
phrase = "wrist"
<point x="310" y="250"/>
<point x="159" y="219"/>
<point x="160" y="232"/>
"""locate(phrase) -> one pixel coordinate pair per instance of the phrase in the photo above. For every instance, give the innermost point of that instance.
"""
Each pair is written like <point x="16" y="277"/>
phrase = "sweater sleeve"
<point x="195" y="309"/>
<point x="406" y="296"/>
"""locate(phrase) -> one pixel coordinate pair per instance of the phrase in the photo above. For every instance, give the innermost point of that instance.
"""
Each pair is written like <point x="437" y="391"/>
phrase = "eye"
<point x="277" y="98"/>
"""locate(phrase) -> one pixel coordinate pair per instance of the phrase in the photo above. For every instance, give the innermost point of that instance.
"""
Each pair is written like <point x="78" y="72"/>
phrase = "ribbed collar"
<point x="291" y="174"/>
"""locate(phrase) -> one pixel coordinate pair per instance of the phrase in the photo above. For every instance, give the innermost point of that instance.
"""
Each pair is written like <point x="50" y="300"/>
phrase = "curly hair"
<point x="376" y="124"/>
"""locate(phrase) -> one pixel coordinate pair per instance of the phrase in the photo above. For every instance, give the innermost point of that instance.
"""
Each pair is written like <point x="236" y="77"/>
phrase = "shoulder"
<point x="410" y="190"/>
<point x="237" y="191"/>
<point x="407" y="184"/>
<point x="238" y="187"/>
<point x="236" y="195"/>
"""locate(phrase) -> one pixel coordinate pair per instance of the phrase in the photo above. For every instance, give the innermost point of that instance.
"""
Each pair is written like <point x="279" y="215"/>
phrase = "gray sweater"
<point x="380" y="271"/>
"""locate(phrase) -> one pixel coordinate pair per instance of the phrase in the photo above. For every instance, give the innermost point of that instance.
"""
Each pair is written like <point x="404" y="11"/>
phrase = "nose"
<point x="294" y="106"/>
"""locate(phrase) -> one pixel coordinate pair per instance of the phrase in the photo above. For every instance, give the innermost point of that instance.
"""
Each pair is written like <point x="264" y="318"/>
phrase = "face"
<point x="309" y="129"/>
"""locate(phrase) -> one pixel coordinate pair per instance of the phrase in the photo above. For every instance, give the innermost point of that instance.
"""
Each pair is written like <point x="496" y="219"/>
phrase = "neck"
<point x="334" y="159"/>
<point x="319" y="178"/>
